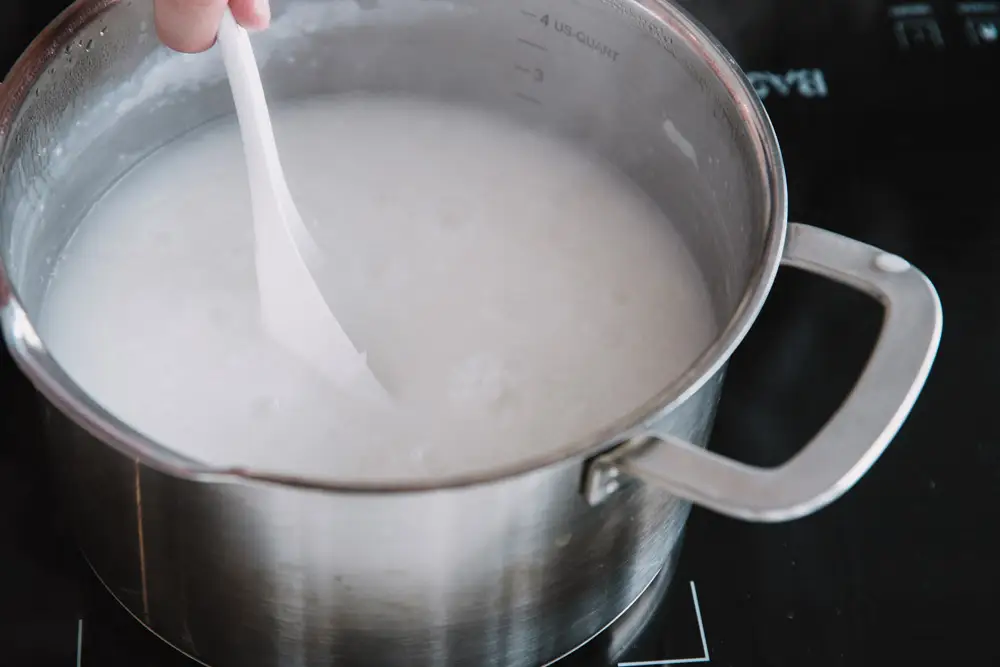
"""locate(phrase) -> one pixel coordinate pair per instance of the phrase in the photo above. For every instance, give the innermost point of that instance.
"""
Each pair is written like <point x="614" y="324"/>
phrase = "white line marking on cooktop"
<point x="79" y="642"/>
<point x="681" y="661"/>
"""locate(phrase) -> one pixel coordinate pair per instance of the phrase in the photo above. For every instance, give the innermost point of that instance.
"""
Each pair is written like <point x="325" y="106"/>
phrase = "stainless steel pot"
<point x="514" y="567"/>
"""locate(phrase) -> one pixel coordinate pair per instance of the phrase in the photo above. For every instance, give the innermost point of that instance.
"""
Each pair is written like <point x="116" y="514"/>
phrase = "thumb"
<point x="251" y="14"/>
<point x="188" y="25"/>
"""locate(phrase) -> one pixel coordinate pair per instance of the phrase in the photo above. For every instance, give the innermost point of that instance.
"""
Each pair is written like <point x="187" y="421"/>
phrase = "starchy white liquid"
<point x="512" y="293"/>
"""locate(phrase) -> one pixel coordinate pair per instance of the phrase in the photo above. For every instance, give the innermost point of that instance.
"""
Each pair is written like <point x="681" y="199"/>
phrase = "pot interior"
<point x="631" y="81"/>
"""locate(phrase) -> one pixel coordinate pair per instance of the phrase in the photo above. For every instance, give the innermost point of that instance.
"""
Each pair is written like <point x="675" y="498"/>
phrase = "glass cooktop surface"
<point x="887" y="119"/>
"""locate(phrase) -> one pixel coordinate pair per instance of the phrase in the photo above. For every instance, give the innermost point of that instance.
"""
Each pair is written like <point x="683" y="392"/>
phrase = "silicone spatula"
<point x="293" y="308"/>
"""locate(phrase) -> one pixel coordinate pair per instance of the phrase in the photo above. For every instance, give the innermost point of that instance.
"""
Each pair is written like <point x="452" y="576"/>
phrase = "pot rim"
<point x="67" y="396"/>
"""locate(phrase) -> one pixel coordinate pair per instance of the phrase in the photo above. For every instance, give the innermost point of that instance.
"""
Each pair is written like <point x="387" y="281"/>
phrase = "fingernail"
<point x="263" y="10"/>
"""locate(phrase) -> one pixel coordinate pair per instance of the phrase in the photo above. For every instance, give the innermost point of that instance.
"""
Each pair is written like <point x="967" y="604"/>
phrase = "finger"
<point x="251" y="14"/>
<point x="188" y="25"/>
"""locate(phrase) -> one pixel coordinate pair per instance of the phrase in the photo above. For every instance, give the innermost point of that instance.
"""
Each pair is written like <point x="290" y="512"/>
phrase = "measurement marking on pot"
<point x="535" y="73"/>
<point x="79" y="642"/>
<point x="529" y="14"/>
<point x="581" y="36"/>
<point x="529" y="98"/>
<point x="531" y="44"/>
<point x="680" y="661"/>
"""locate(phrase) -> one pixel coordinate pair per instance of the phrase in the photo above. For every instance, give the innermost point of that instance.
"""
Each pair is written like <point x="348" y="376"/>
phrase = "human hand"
<point x="192" y="25"/>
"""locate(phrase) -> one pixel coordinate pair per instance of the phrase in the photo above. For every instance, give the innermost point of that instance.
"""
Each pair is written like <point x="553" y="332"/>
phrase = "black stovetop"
<point x="890" y="133"/>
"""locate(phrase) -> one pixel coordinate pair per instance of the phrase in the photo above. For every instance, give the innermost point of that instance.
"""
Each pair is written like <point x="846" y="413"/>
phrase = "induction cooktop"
<point x="887" y="119"/>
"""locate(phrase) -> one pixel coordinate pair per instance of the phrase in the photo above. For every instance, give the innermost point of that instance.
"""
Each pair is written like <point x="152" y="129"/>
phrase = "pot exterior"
<point x="515" y="573"/>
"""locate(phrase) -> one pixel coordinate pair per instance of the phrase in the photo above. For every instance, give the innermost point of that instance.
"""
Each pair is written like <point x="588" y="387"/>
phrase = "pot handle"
<point x="854" y="437"/>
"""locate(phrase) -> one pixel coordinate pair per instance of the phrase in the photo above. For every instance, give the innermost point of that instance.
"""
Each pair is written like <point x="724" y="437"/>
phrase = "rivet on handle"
<point x="602" y="477"/>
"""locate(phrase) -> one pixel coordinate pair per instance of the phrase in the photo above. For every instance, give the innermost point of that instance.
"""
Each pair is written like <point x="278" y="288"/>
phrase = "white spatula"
<point x="293" y="309"/>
